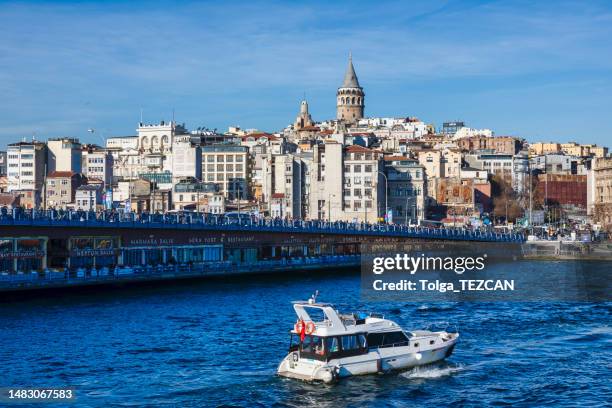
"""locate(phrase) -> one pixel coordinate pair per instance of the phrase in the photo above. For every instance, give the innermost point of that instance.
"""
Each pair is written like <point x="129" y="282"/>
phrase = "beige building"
<point x="350" y="98"/>
<point x="540" y="148"/>
<point x="501" y="144"/>
<point x="64" y="154"/>
<point x="441" y="163"/>
<point x="283" y="185"/>
<point x="346" y="183"/>
<point x="61" y="189"/>
<point x="228" y="167"/>
<point x="602" y="198"/>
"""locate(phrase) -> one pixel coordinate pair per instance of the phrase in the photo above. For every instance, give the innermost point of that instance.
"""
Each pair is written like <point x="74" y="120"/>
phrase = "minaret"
<point x="350" y="98"/>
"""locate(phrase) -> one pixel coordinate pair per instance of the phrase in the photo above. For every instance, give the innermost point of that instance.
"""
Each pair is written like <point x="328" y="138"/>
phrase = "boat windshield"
<point x="313" y="345"/>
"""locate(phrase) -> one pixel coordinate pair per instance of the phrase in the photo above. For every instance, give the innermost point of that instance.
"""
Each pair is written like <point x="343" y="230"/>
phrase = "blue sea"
<point x="218" y="342"/>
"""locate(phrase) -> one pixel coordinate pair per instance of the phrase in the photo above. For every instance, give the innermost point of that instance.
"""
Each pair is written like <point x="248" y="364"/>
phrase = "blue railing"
<point x="245" y="222"/>
<point x="81" y="276"/>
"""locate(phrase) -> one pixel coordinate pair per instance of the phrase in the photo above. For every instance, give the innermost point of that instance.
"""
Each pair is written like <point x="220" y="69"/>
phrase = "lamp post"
<point x="386" y="193"/>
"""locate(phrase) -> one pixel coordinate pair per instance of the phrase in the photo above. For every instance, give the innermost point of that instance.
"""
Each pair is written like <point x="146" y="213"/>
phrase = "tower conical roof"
<point x="350" y="78"/>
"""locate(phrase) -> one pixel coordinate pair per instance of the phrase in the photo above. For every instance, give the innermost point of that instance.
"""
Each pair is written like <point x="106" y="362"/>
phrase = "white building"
<point x="26" y="163"/>
<point x="64" y="154"/>
<point x="187" y="158"/>
<point x="98" y="164"/>
<point x="228" y="167"/>
<point x="345" y="183"/>
<point x="88" y="197"/>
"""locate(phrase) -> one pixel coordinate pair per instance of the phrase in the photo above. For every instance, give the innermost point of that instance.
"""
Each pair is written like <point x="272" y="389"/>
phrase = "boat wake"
<point x="428" y="372"/>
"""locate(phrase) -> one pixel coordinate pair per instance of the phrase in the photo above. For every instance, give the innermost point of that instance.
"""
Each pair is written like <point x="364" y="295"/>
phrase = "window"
<point x="210" y="158"/>
<point x="239" y="167"/>
<point x="219" y="167"/>
<point x="220" y="158"/>
<point x="347" y="168"/>
<point x="388" y="339"/>
<point x="368" y="192"/>
<point x="347" y="192"/>
<point x="353" y="342"/>
<point x="357" y="168"/>
<point x="229" y="167"/>
<point x="368" y="204"/>
<point x="229" y="158"/>
<point x="357" y="192"/>
<point x="368" y="168"/>
<point x="357" y="180"/>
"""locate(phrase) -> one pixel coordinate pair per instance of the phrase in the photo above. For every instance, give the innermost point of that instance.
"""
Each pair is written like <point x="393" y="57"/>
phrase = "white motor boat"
<point x="327" y="345"/>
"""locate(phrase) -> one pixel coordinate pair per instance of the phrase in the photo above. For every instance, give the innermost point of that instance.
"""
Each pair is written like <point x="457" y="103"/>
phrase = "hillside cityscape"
<point x="351" y="168"/>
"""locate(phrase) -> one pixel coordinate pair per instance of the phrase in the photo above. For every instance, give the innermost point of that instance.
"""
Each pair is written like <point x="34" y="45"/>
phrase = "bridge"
<point x="40" y="249"/>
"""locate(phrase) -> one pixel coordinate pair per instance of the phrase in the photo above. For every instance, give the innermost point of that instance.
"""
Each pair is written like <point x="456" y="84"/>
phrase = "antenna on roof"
<point x="140" y="116"/>
<point x="313" y="298"/>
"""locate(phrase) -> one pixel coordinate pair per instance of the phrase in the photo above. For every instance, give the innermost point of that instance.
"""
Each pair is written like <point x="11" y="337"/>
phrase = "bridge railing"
<point x="83" y="275"/>
<point x="246" y="222"/>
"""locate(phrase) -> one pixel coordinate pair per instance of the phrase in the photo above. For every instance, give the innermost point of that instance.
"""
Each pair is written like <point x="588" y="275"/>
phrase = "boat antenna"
<point x="313" y="298"/>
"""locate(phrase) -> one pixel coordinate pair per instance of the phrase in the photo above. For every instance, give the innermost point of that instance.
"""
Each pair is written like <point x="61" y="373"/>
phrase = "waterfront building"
<point x="125" y="190"/>
<point x="88" y="197"/>
<point x="61" y="189"/>
<point x="229" y="167"/>
<point x="97" y="163"/>
<point x="283" y="185"/>
<point x="406" y="189"/>
<point x="186" y="158"/>
<point x="26" y="163"/>
<point x="350" y="98"/>
<point x="566" y="190"/>
<point x="602" y="194"/>
<point x="193" y="195"/>
<point x="127" y="161"/>
<point x="345" y="183"/>
<point x="64" y="154"/>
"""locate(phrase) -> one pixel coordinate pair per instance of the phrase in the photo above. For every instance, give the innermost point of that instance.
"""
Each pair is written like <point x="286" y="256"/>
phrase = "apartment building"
<point x="229" y="167"/>
<point x="64" y="154"/>
<point x="26" y="162"/>
<point x="406" y="189"/>
<point x="61" y="187"/>
<point x="97" y="163"/>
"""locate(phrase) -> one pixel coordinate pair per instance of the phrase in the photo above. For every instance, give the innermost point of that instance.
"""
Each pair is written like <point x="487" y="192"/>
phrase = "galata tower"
<point x="350" y="99"/>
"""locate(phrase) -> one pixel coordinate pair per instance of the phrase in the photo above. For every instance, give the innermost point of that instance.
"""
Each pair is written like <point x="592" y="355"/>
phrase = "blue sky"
<point x="540" y="70"/>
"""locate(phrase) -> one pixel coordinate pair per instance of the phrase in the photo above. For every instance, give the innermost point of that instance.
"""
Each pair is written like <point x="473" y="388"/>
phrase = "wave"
<point x="428" y="372"/>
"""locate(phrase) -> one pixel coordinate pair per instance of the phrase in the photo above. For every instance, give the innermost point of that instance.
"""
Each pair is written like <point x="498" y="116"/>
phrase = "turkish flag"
<point x="302" y="330"/>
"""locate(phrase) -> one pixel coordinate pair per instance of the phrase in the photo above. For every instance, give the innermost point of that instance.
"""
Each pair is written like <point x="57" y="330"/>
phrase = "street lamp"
<point x="386" y="193"/>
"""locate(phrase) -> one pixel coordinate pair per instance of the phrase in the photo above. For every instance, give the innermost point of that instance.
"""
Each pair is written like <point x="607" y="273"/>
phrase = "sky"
<point x="539" y="70"/>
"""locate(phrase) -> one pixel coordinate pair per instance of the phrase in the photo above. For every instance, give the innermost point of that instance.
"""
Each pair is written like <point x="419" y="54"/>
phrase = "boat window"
<point x="312" y="344"/>
<point x="331" y="345"/>
<point x="353" y="342"/>
<point x="396" y="338"/>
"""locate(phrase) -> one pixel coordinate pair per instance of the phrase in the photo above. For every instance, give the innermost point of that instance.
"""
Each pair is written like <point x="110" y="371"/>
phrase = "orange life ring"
<point x="299" y="326"/>
<point x="310" y="328"/>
